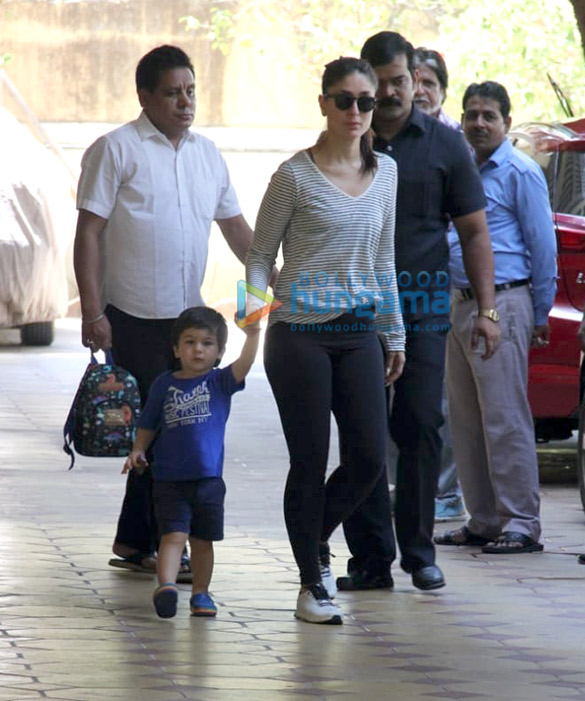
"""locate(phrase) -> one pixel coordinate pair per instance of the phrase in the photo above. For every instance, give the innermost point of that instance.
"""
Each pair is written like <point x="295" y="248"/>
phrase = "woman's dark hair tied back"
<point x="344" y="66"/>
<point x="334" y="72"/>
<point x="369" y="161"/>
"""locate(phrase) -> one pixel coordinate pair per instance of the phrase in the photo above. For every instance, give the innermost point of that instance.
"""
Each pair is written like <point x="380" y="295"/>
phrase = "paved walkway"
<point x="72" y="628"/>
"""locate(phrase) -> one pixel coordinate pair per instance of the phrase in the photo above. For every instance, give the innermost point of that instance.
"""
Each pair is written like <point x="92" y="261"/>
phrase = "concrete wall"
<point x="75" y="61"/>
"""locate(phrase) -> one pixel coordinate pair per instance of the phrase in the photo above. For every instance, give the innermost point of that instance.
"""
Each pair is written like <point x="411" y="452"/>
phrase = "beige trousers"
<point x="490" y="419"/>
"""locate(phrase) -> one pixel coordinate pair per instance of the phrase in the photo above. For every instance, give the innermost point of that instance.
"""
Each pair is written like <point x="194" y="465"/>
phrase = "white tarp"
<point x="37" y="222"/>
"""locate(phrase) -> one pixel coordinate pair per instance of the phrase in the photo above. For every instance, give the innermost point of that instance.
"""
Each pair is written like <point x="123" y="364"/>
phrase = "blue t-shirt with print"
<point x="190" y="416"/>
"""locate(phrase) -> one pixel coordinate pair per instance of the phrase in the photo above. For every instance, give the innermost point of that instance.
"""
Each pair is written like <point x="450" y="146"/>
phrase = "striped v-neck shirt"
<point x="338" y="249"/>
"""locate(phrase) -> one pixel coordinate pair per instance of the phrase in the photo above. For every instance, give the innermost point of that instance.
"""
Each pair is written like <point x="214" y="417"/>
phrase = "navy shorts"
<point x="193" y="507"/>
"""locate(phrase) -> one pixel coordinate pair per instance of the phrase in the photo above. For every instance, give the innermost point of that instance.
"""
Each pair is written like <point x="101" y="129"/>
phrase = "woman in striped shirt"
<point x="332" y="209"/>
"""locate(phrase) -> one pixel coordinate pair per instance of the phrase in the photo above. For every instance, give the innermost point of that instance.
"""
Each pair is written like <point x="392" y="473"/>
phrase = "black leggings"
<point x="312" y="374"/>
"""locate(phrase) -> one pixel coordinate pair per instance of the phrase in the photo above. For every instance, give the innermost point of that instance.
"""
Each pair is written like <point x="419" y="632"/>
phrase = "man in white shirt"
<point x="147" y="196"/>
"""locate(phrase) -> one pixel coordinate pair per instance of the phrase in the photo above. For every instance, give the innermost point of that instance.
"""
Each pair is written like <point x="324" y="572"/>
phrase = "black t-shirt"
<point x="437" y="180"/>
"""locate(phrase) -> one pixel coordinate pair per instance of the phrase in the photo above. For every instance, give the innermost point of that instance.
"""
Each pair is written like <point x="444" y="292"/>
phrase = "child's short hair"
<point x="201" y="318"/>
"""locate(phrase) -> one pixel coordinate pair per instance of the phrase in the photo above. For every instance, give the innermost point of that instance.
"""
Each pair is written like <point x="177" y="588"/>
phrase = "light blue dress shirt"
<point x="521" y="230"/>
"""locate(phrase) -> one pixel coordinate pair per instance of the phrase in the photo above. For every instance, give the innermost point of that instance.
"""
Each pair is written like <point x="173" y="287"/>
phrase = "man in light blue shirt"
<point x="491" y="421"/>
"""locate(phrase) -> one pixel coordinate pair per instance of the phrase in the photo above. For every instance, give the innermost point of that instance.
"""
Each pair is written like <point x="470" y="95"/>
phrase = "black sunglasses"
<point x="343" y="102"/>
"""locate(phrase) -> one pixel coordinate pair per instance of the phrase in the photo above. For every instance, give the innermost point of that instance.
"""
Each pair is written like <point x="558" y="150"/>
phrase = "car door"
<point x="569" y="215"/>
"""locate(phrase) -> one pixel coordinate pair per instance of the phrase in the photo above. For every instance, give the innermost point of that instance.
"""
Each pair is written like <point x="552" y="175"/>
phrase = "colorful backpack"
<point x="102" y="418"/>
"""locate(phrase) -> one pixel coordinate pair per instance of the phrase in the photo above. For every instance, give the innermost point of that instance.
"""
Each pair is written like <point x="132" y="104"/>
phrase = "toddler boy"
<point x="186" y="412"/>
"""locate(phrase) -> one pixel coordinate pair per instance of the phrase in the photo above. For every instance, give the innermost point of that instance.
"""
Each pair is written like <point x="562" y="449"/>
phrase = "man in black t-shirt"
<point x="437" y="181"/>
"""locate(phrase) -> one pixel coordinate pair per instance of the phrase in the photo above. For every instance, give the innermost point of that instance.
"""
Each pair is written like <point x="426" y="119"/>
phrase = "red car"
<point x="556" y="380"/>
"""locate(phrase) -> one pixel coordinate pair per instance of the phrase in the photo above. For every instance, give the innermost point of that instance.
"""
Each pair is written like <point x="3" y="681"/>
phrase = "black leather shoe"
<point x="360" y="580"/>
<point x="427" y="578"/>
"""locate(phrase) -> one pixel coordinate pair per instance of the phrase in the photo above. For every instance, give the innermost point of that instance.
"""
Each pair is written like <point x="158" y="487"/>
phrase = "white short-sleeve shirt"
<point x="159" y="202"/>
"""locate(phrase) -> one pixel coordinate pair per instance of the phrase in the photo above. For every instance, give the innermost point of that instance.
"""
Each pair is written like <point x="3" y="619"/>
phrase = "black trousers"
<point x="414" y="424"/>
<point x="311" y="375"/>
<point x="144" y="348"/>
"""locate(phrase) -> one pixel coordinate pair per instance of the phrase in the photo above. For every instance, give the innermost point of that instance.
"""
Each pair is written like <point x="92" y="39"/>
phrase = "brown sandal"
<point x="511" y="542"/>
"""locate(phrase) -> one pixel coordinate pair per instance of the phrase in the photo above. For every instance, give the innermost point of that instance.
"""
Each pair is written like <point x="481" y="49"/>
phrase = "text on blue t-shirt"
<point x="190" y="416"/>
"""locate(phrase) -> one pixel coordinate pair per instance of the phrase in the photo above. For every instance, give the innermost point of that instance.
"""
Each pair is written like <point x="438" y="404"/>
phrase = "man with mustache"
<point x="147" y="196"/>
<point x="437" y="180"/>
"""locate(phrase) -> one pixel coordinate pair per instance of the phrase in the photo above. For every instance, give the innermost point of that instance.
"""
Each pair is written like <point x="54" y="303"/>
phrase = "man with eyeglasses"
<point x="436" y="180"/>
<point x="431" y="84"/>
<point x="148" y="194"/>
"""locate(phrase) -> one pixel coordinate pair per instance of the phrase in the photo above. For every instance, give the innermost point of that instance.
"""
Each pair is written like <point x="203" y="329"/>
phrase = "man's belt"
<point x="467" y="292"/>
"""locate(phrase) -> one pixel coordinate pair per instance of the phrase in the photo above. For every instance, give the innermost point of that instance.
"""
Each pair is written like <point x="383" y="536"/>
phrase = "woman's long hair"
<point x="336" y="71"/>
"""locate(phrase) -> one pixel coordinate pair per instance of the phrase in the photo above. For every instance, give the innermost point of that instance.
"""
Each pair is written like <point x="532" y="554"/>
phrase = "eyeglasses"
<point x="343" y="102"/>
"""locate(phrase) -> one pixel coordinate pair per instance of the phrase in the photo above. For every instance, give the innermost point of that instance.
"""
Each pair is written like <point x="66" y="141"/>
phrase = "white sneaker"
<point x="327" y="578"/>
<point x="315" y="606"/>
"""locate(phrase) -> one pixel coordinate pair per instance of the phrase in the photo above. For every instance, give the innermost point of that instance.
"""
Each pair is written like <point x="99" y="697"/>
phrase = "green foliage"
<point x="4" y="57"/>
<point x="516" y="42"/>
<point x="322" y="29"/>
<point x="327" y="29"/>
<point x="216" y="21"/>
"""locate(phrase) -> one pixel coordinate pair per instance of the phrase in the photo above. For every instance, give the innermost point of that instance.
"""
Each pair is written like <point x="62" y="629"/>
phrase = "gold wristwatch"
<point x="491" y="314"/>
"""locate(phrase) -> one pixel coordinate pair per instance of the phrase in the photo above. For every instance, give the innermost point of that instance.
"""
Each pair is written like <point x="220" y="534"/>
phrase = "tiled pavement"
<point x="72" y="628"/>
